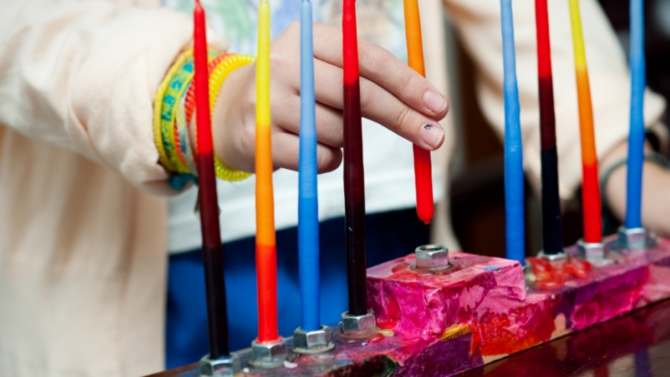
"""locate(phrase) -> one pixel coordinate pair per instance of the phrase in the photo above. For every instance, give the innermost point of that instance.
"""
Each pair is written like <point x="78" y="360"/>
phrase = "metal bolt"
<point x="268" y="355"/>
<point x="221" y="367"/>
<point x="432" y="257"/>
<point x="311" y="342"/>
<point x="591" y="251"/>
<point x="358" y="323"/>
<point x="635" y="238"/>
<point x="552" y="257"/>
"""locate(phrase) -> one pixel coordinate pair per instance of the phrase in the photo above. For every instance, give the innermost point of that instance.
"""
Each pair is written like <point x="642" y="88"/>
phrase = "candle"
<point x="590" y="184"/>
<point x="354" y="180"/>
<point x="209" y="206"/>
<point x="266" y="250"/>
<point x="636" y="136"/>
<point x="551" y="208"/>
<point x="308" y="205"/>
<point x="514" y="195"/>
<point x="422" y="168"/>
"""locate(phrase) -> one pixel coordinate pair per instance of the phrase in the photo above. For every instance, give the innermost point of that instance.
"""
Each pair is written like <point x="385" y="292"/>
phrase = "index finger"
<point x="383" y="68"/>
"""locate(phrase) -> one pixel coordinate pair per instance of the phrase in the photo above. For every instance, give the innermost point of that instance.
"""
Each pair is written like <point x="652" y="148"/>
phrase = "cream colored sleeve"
<point x="478" y="24"/>
<point x="82" y="75"/>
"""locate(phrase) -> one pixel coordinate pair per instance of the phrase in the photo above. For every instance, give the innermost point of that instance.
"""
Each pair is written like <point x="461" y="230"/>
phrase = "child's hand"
<point x="392" y="94"/>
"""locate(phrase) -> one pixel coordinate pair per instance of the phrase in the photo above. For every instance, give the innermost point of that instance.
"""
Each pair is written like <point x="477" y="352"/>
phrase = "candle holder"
<point x="268" y="355"/>
<point x="222" y="367"/>
<point x="432" y="257"/>
<point x="635" y="238"/>
<point x="312" y="342"/>
<point x="358" y="324"/>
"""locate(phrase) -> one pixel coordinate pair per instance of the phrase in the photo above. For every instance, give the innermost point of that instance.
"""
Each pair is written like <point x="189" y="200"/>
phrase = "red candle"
<point x="354" y="181"/>
<point x="209" y="205"/>
<point x="422" y="169"/>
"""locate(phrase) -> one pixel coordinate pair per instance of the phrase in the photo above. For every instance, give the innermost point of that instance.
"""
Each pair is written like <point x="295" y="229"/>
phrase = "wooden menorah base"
<point x="479" y="310"/>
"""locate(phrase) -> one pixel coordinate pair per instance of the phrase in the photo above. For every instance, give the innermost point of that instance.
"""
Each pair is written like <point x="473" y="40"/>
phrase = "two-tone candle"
<point x="354" y="180"/>
<point x="637" y="133"/>
<point x="514" y="180"/>
<point x="590" y="185"/>
<point x="308" y="203"/>
<point x="209" y="206"/>
<point x="266" y="250"/>
<point x="422" y="165"/>
<point x="551" y="208"/>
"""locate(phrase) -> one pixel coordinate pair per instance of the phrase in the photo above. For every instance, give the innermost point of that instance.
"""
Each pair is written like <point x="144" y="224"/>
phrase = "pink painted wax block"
<point x="420" y="303"/>
<point x="637" y="279"/>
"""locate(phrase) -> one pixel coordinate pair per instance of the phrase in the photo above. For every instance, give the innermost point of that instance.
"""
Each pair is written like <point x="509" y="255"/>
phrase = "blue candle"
<point x="636" y="136"/>
<point x="308" y="205"/>
<point x="514" y="195"/>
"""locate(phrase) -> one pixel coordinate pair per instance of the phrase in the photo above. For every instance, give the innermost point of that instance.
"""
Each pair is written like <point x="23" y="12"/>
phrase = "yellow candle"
<point x="583" y="89"/>
<point x="265" y="233"/>
<point x="590" y="185"/>
<point x="266" y="252"/>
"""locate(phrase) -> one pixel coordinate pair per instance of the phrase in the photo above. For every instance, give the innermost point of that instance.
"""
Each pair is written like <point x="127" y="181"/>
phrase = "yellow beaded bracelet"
<point x="216" y="79"/>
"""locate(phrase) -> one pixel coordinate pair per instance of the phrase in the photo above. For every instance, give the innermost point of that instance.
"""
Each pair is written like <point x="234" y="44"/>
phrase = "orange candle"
<point x="422" y="168"/>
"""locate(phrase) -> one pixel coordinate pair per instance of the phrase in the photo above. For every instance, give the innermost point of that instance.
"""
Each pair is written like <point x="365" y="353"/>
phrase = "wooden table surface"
<point x="635" y="345"/>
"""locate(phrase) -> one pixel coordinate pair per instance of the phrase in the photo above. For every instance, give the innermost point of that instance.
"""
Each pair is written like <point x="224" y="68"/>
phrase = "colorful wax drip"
<point x="637" y="133"/>
<point x="590" y="185"/>
<point x="422" y="165"/>
<point x="308" y="206"/>
<point x="514" y="181"/>
<point x="552" y="238"/>
<point x="212" y="254"/>
<point x="354" y="180"/>
<point x="266" y="250"/>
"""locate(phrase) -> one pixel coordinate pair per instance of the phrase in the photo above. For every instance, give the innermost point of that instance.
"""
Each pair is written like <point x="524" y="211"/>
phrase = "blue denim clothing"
<point x="389" y="235"/>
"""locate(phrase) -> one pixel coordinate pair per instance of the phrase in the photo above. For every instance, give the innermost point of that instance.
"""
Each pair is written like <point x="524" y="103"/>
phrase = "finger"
<point x="380" y="106"/>
<point x="384" y="69"/>
<point x="328" y="121"/>
<point x="286" y="151"/>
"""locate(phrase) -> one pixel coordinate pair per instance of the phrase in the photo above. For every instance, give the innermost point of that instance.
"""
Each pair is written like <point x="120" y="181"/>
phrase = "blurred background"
<point x="477" y="190"/>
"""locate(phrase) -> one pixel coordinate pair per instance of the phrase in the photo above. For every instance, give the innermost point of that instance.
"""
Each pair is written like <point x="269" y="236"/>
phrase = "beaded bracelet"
<point x="216" y="79"/>
<point x="173" y="108"/>
<point x="217" y="76"/>
<point x="160" y="114"/>
<point x="171" y="99"/>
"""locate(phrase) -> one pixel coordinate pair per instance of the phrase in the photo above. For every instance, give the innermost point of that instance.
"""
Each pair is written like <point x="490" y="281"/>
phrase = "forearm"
<point x="83" y="76"/>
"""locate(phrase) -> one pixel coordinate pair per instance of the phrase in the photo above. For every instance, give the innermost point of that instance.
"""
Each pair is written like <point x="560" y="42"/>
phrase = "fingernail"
<point x="432" y="135"/>
<point x="435" y="102"/>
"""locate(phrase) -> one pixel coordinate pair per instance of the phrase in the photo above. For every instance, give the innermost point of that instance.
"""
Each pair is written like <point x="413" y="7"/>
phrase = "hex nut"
<point x="222" y="367"/>
<point x="311" y="342"/>
<point x="552" y="257"/>
<point x="591" y="251"/>
<point x="358" y="323"/>
<point x="432" y="257"/>
<point x="635" y="238"/>
<point x="268" y="355"/>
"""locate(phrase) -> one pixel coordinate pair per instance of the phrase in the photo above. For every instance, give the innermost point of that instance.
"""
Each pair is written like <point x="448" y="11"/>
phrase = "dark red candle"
<point x="354" y="181"/>
<point x="209" y="206"/>
<point x="552" y="241"/>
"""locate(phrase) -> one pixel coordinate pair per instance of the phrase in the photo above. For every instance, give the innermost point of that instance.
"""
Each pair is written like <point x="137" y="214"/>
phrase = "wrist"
<point x="232" y="117"/>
